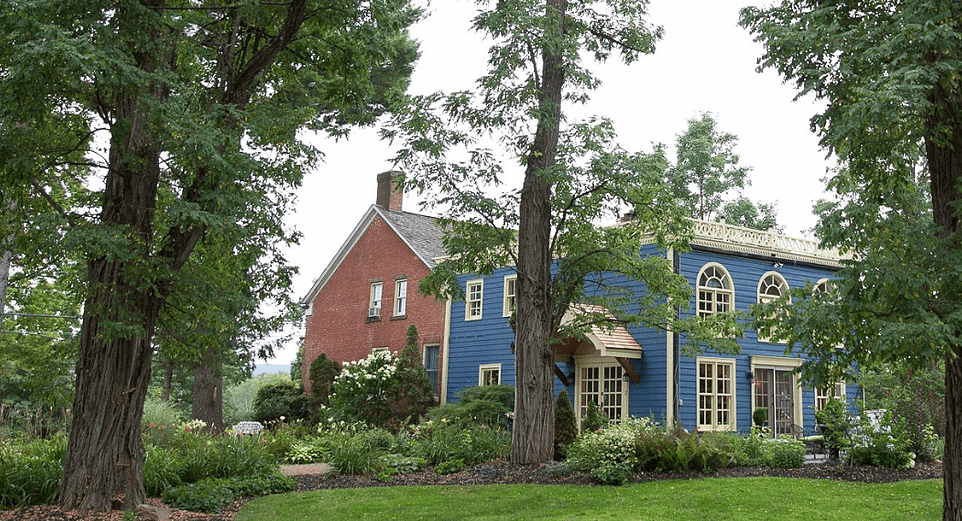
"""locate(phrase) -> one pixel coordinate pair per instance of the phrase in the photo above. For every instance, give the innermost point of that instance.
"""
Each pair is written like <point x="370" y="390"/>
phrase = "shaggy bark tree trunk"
<point x="944" y="156"/>
<point x="208" y="398"/>
<point x="532" y="437"/>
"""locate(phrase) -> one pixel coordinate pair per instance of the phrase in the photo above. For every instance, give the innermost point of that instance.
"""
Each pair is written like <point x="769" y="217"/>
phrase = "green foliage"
<point x="450" y="466"/>
<point x="414" y="391"/>
<point x="486" y="405"/>
<point x="837" y="426"/>
<point x="280" y="400"/>
<point x="239" y="398"/>
<point x="916" y="395"/>
<point x="565" y="425"/>
<point x="360" y="452"/>
<point x="885" y="443"/>
<point x="593" y="420"/>
<point x="440" y="442"/>
<point x="213" y="494"/>
<point x="157" y="412"/>
<point x="786" y="453"/>
<point x="30" y="471"/>
<point x="322" y="373"/>
<point x="365" y="390"/>
<point x="760" y="417"/>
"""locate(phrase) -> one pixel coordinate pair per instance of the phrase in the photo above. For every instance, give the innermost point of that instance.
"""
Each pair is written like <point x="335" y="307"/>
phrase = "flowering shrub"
<point x="609" y="454"/>
<point x="364" y="390"/>
<point x="884" y="444"/>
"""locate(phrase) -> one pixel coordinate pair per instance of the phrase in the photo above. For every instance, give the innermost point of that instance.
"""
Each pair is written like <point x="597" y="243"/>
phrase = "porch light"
<point x="751" y="376"/>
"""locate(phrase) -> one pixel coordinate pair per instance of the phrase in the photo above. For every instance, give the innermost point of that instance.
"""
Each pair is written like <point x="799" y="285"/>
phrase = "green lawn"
<point x="719" y="498"/>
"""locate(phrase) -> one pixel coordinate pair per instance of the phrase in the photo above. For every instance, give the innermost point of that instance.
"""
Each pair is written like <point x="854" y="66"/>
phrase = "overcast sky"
<point x="705" y="62"/>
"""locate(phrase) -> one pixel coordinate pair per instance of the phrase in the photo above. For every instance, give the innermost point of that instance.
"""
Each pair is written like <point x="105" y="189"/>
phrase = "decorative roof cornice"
<point x="763" y="243"/>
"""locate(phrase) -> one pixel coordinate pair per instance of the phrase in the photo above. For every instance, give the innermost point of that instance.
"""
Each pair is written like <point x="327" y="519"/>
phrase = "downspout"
<point x="675" y="344"/>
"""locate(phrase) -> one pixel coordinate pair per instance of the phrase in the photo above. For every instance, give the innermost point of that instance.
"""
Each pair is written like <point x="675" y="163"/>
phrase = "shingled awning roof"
<point x="612" y="340"/>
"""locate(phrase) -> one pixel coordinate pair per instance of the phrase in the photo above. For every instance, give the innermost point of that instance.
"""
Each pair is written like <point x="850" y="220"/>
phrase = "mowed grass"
<point x="716" y="498"/>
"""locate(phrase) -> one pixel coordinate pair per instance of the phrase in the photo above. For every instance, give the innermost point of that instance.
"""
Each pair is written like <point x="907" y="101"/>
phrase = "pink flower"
<point x="163" y="427"/>
<point x="153" y="425"/>
<point x="187" y="428"/>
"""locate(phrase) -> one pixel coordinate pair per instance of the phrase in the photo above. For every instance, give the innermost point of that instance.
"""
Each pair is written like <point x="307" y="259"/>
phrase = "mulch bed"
<point x="506" y="473"/>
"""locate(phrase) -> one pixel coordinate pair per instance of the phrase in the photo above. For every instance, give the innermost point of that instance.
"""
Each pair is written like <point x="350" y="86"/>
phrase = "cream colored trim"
<point x="602" y="362"/>
<point x="782" y="362"/>
<point x="445" y="348"/>
<point x="468" y="301"/>
<point x="735" y="238"/>
<point x="670" y="369"/>
<point x="487" y="367"/>
<point x="733" y="409"/>
<point x="505" y="308"/>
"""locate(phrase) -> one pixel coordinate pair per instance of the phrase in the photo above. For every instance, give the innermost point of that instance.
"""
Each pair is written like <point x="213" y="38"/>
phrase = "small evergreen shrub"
<point x="834" y="418"/>
<point x="593" y="420"/>
<point x="281" y="399"/>
<point x="322" y="373"/>
<point x="414" y="391"/>
<point x="565" y="425"/>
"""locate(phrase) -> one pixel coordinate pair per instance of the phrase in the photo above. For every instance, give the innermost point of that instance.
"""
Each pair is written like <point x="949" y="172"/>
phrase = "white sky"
<point x="705" y="62"/>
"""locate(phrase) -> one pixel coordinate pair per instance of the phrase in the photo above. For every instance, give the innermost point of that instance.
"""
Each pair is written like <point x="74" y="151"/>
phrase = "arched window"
<point x="715" y="293"/>
<point x="770" y="288"/>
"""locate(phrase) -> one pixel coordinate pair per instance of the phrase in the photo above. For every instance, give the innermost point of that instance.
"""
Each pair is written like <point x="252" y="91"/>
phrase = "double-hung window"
<point x="832" y="392"/>
<point x="474" y="293"/>
<point x="489" y="374"/>
<point x="716" y="394"/>
<point x="510" y="295"/>
<point x="374" y="309"/>
<point x="400" y="297"/>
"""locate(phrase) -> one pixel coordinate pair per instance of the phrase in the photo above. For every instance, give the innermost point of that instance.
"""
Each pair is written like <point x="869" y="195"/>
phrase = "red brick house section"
<point x="386" y="246"/>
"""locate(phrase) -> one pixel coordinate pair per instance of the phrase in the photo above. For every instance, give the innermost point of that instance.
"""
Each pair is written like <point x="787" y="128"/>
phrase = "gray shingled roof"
<point x="421" y="232"/>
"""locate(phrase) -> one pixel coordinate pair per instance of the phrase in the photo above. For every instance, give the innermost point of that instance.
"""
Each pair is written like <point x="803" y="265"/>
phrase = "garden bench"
<point x="248" y="427"/>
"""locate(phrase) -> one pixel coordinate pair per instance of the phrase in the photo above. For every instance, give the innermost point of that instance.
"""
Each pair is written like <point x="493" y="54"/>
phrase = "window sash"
<point x="400" y="297"/>
<point x="716" y="395"/>
<point x="489" y="375"/>
<point x="475" y="293"/>
<point x="377" y="289"/>
<point x="510" y="295"/>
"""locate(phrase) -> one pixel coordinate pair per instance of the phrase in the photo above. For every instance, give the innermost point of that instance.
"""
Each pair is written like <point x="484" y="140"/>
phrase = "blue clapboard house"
<point x="642" y="371"/>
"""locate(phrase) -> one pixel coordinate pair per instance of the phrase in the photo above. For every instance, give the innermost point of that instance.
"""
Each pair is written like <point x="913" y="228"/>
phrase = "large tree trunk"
<point x="532" y="438"/>
<point x="207" y="396"/>
<point x="105" y="455"/>
<point x="944" y="154"/>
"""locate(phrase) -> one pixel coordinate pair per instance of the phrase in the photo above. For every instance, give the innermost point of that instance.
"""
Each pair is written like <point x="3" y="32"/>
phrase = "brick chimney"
<point x="388" y="196"/>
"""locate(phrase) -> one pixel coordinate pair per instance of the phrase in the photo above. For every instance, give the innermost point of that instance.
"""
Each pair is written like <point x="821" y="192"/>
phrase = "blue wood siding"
<point x="474" y="343"/>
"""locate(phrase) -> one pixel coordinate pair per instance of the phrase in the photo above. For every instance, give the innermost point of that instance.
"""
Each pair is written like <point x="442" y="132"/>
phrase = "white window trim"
<point x="733" y="406"/>
<point x="764" y="298"/>
<point x="376" y="299"/>
<point x="505" y="305"/>
<point x="483" y="368"/>
<point x="400" y="298"/>
<point x="730" y="291"/>
<point x="468" y="301"/>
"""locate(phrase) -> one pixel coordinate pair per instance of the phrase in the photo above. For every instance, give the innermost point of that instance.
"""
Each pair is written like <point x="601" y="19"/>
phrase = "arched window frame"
<point x="764" y="294"/>
<point x="714" y="299"/>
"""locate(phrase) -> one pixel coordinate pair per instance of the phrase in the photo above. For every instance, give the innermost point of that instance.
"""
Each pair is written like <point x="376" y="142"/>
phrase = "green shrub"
<point x="163" y="469"/>
<point x="401" y="464"/>
<point x="322" y="373"/>
<point x="785" y="453"/>
<point x="158" y="412"/>
<point x="213" y="494"/>
<point x="565" y="425"/>
<point x="414" y="391"/>
<point x="30" y="471"/>
<point x="885" y="444"/>
<point x="834" y="417"/>
<point x="281" y="400"/>
<point x="593" y="420"/>
<point x="437" y="443"/>
<point x="450" y="466"/>
<point x="360" y="452"/>
<point x="607" y="449"/>
<point x="488" y="405"/>
<point x="365" y="389"/>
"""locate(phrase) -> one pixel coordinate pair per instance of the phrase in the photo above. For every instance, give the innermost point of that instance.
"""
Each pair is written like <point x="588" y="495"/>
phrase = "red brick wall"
<point x="339" y="325"/>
